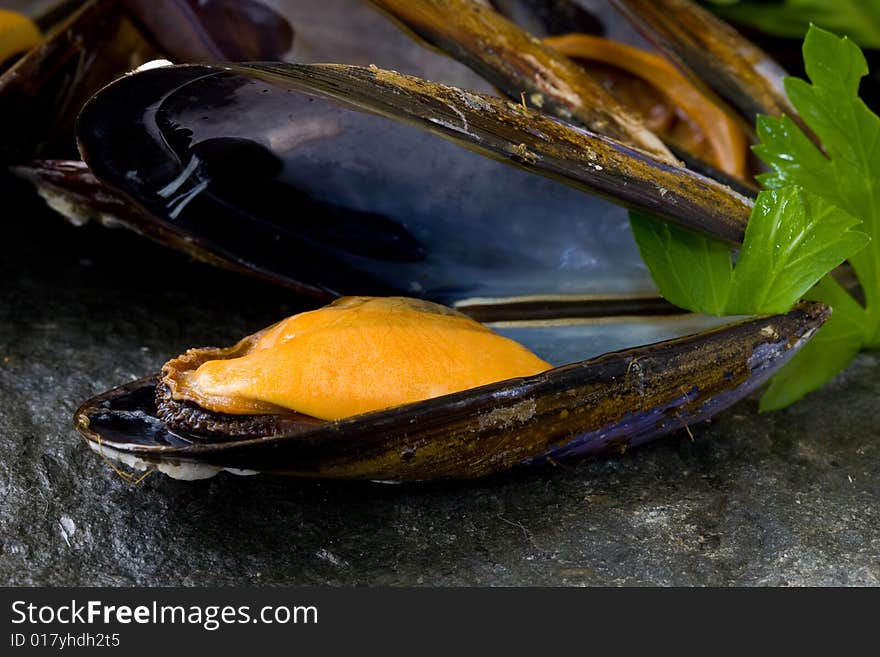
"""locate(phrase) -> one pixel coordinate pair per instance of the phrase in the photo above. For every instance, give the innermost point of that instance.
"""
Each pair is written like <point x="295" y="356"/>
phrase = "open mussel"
<point x="614" y="401"/>
<point x="518" y="63"/>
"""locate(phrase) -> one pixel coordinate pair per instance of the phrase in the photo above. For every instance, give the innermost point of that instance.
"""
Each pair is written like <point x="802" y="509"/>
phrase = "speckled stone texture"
<point x="787" y="498"/>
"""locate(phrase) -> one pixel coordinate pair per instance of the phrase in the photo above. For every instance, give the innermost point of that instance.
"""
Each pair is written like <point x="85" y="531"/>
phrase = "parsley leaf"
<point x="791" y="18"/>
<point x="793" y="239"/>
<point x="690" y="270"/>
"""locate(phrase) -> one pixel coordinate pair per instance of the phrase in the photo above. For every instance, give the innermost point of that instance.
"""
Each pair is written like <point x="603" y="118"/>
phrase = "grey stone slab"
<point x="784" y="498"/>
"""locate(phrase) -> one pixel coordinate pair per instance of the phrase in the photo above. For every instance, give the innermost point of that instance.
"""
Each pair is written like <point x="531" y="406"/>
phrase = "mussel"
<point x="614" y="401"/>
<point x="346" y="179"/>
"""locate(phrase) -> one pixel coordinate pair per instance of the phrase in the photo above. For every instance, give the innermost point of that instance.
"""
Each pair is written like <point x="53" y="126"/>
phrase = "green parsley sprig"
<point x="818" y="210"/>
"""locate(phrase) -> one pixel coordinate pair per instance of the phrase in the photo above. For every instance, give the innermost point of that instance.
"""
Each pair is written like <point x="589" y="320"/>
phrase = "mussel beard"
<point x="355" y="356"/>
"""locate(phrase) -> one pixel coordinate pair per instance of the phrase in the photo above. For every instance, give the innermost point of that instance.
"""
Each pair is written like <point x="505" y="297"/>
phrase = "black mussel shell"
<point x="335" y="180"/>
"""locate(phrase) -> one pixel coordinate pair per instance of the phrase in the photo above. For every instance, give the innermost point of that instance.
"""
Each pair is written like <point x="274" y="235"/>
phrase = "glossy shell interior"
<point x="349" y="202"/>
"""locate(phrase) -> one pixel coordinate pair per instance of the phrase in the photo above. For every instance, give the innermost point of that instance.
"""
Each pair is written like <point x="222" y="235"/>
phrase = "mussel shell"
<point x="500" y="44"/>
<point x="614" y="401"/>
<point x="303" y="184"/>
<point x="351" y="203"/>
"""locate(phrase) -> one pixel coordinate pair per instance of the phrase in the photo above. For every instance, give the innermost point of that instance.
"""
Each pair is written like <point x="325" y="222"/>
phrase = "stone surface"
<point x="786" y="498"/>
